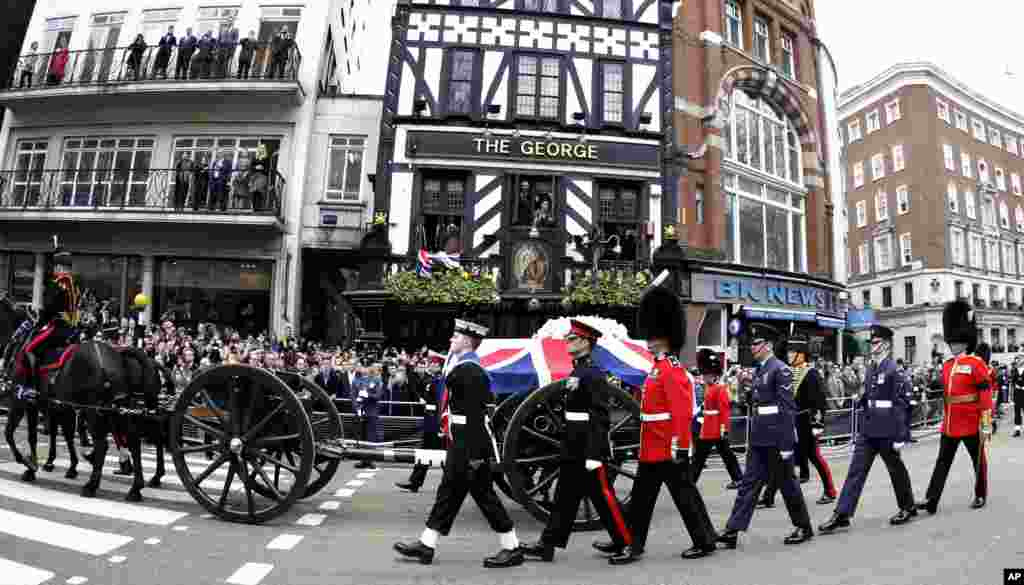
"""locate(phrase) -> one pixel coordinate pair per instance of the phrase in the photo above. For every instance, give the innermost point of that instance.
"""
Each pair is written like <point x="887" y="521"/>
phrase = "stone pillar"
<point x="148" y="272"/>
<point x="39" y="281"/>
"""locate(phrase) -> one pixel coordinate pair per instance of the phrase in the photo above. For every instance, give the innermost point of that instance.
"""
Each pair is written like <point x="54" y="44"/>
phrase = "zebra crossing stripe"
<point x="250" y="574"/>
<point x="12" y="573"/>
<point x="67" y="536"/>
<point x="91" y="506"/>
<point x="284" y="542"/>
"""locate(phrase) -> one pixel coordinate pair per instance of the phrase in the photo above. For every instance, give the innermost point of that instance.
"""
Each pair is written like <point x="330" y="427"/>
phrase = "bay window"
<point x="765" y="225"/>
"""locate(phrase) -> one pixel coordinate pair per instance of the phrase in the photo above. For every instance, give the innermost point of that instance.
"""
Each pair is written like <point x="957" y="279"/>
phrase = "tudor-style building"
<point x="511" y="127"/>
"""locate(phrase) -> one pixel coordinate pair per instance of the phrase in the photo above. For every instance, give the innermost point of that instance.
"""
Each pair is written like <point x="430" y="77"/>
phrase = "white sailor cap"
<point x="470" y="328"/>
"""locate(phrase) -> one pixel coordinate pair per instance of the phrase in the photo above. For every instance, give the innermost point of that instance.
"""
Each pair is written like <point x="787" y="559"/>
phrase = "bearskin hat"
<point x="958" y="323"/>
<point x="709" y="361"/>
<point x="984" y="351"/>
<point x="661" y="316"/>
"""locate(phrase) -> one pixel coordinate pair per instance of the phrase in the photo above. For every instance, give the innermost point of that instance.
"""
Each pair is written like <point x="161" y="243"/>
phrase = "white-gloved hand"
<point x="817" y="431"/>
<point x="700" y="420"/>
<point x="422" y="401"/>
<point x="364" y="394"/>
<point x="787" y="455"/>
<point x="592" y="464"/>
<point x="898" y="446"/>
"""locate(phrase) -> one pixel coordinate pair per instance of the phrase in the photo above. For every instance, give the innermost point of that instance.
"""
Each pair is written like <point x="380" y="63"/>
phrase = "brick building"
<point x="757" y="207"/>
<point x="935" y="205"/>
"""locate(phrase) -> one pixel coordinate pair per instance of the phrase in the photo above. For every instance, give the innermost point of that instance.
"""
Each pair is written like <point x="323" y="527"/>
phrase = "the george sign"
<point x="775" y="294"/>
<point x="423" y="144"/>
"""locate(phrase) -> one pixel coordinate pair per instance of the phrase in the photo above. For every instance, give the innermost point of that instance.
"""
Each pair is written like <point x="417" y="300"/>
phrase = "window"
<point x="789" y="55"/>
<point x="155" y="23"/>
<point x="345" y="174"/>
<point x="539" y="5"/>
<point x="765" y="225"/>
<point x="216" y="286"/>
<point x="965" y="165"/>
<point x="988" y="212"/>
<point x="865" y="296"/>
<point x="858" y="174"/>
<point x="1000" y="179"/>
<point x="886" y="297"/>
<point x="961" y="120"/>
<point x="535" y="201"/>
<point x="951" y="198"/>
<point x="958" y="289"/>
<point x="910" y="347"/>
<point x="1009" y="263"/>
<point x="28" y="176"/>
<point x="883" y="253"/>
<point x="976" y="292"/>
<point x="538" y="83"/>
<point x="853" y="129"/>
<point x="1019" y="218"/>
<point x="762" y="48"/>
<point x="862" y="214"/>
<point x="611" y="8"/>
<point x="733" y="24"/>
<point x="619" y="214"/>
<point x="238" y="150"/>
<point x="1015" y="183"/>
<point x="957" y="245"/>
<point x="902" y="200"/>
<point x="1020" y="260"/>
<point x="442" y="202"/>
<point x="759" y="136"/>
<point x="873" y="121"/>
<point x="101" y="171"/>
<point x="992" y="249"/>
<point x="460" y="82"/>
<point x="995" y="138"/>
<point x="976" y="251"/>
<point x="947" y="156"/>
<point x="892" y="111"/>
<point x="862" y="258"/>
<point x="970" y="203"/>
<point x="1011" y="143"/>
<point x="983" y="171"/>
<point x="216" y="19"/>
<point x="979" y="129"/>
<point x="881" y="206"/>
<point x="612" y="93"/>
<point x="906" y="252"/>
<point x="877" y="166"/>
<point x="1004" y="215"/>
<point x="898" y="164"/>
<point x="942" y="108"/>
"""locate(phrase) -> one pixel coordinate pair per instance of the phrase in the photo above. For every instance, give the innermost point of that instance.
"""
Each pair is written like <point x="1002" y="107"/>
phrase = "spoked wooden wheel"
<point x="244" y="417"/>
<point x="326" y="424"/>
<point x="502" y="418"/>
<point x="531" y="451"/>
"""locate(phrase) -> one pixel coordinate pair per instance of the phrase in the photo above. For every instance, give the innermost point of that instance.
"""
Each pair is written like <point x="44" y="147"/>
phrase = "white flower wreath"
<point x="558" y="328"/>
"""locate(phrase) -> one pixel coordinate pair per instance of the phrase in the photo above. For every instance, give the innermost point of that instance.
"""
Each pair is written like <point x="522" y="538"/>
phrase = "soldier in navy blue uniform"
<point x="772" y="443"/>
<point x="883" y="431"/>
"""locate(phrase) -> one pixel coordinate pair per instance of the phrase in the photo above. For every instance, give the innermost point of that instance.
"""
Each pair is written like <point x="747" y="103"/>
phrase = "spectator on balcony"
<point x="220" y="175"/>
<point x="202" y="181"/>
<point x="58" y="62"/>
<point x="27" y="66"/>
<point x="184" y="175"/>
<point x="226" y="43"/>
<point x="245" y="55"/>
<point x="135" y="51"/>
<point x="259" y="178"/>
<point x="163" y="54"/>
<point x="186" y="47"/>
<point x="204" y="59"/>
<point x="280" y="46"/>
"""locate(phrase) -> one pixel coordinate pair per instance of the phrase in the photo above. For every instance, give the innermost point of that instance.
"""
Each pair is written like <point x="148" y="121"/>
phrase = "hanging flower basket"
<point x="448" y="286"/>
<point x="616" y="288"/>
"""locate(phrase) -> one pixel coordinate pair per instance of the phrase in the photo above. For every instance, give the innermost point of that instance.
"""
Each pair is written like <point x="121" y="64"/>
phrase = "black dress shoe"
<point x="799" y="535"/>
<point x="765" y="503"/>
<point x="505" y="558"/>
<point x="539" y="551"/>
<point x="415" y="550"/>
<point x="931" y="507"/>
<point x="902" y="517"/>
<point x="836" y="522"/>
<point x="826" y="499"/>
<point x="698" y="552"/>
<point x="978" y="503"/>
<point x="1016" y="433"/>
<point x="732" y="485"/>
<point x="608" y="547"/>
<point x="626" y="556"/>
<point x="407" y="486"/>
<point x="728" y="539"/>
<point x="125" y="468"/>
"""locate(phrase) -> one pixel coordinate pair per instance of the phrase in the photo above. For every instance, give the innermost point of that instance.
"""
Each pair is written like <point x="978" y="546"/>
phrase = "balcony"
<point x="124" y="71"/>
<point x="140" y="195"/>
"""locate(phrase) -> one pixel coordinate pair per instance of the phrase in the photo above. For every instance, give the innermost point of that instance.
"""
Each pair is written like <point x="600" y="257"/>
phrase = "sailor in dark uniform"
<point x="471" y="447"/>
<point x="884" y="431"/>
<point x="584" y="447"/>
<point x="772" y="442"/>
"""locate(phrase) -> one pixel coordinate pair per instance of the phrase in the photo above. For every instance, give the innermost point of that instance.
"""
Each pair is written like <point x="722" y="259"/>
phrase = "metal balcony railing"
<point x="143" y="189"/>
<point x="139" y="64"/>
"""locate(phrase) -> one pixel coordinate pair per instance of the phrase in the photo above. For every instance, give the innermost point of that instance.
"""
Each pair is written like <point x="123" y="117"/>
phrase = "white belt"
<point x="457" y="419"/>
<point x="655" y="417"/>
<point x="767" y="410"/>
<point x="431" y="407"/>
<point x="709" y="412"/>
<point x="881" y="404"/>
<point x="577" y="416"/>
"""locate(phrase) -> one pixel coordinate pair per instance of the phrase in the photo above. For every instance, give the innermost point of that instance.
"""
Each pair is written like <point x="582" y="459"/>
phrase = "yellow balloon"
<point x="142" y="300"/>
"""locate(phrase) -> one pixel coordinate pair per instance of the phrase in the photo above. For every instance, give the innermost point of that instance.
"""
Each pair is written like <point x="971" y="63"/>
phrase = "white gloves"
<point x="817" y="431"/>
<point x="787" y="455"/>
<point x="592" y="464"/>
<point x="364" y="394"/>
<point x="898" y="446"/>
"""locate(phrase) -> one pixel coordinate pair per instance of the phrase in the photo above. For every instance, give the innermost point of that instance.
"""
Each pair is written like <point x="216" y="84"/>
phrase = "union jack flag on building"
<point x="426" y="260"/>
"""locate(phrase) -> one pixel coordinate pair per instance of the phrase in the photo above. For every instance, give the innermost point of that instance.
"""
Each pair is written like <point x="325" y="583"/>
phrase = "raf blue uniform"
<point x="772" y="431"/>
<point x="884" y="407"/>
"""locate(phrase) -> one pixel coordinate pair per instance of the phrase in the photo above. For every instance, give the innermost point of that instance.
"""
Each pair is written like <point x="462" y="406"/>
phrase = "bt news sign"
<point x="716" y="288"/>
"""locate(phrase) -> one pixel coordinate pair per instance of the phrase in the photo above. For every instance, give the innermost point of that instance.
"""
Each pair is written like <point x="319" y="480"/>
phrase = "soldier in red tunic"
<point x="967" y="416"/>
<point x="714" y="428"/>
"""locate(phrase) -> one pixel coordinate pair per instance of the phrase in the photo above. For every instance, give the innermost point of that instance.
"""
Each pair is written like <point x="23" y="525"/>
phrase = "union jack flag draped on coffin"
<point x="520" y="365"/>
<point x="426" y="260"/>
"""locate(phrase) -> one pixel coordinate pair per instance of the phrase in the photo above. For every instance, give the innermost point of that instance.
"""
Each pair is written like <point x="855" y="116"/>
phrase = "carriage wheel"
<point x="532" y="446"/>
<point x="502" y="417"/>
<point x="325" y="421"/>
<point x="244" y="417"/>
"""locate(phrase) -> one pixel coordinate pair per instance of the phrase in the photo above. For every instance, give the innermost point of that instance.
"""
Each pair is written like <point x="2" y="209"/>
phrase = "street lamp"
<point x="597" y="245"/>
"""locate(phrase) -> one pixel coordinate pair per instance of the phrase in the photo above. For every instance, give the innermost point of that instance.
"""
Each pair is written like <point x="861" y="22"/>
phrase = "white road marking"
<point x="311" y="519"/>
<point x="330" y="505"/>
<point x="344" y="493"/>
<point x="68" y="536"/>
<point x="77" y="580"/>
<point x="356" y="483"/>
<point x="91" y="506"/>
<point x="206" y="516"/>
<point x="179" y="528"/>
<point x="250" y="574"/>
<point x="152" y="541"/>
<point x="12" y="573"/>
<point x="367" y="475"/>
<point x="285" y="542"/>
<point x="117" y="559"/>
<point x="163" y="494"/>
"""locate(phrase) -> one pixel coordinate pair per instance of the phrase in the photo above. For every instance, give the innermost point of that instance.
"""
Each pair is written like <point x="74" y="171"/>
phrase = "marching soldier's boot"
<point x="539" y="551"/>
<point x="836" y="522"/>
<point x="608" y="547"/>
<point x="902" y="517"/>
<point x="732" y="485"/>
<point x="826" y="499"/>
<point x="416" y="550"/>
<point x="698" y="552"/>
<point x="978" y="503"/>
<point x="626" y="556"/>
<point x="930" y="506"/>
<point x="729" y="539"/>
<point x="507" y="557"/>
<point x="799" y="535"/>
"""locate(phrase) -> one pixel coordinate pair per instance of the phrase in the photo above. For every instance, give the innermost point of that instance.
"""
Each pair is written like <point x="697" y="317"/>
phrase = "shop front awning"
<point x="779" y="314"/>
<point x="831" y="322"/>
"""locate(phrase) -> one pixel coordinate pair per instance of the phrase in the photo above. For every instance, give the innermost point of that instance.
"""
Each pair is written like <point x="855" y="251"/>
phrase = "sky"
<point x="975" y="46"/>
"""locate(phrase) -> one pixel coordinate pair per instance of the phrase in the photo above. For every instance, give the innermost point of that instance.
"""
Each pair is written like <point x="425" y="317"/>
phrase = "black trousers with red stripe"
<point x="947" y="451"/>
<point x="574" y="484"/>
<point x="646" y="488"/>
